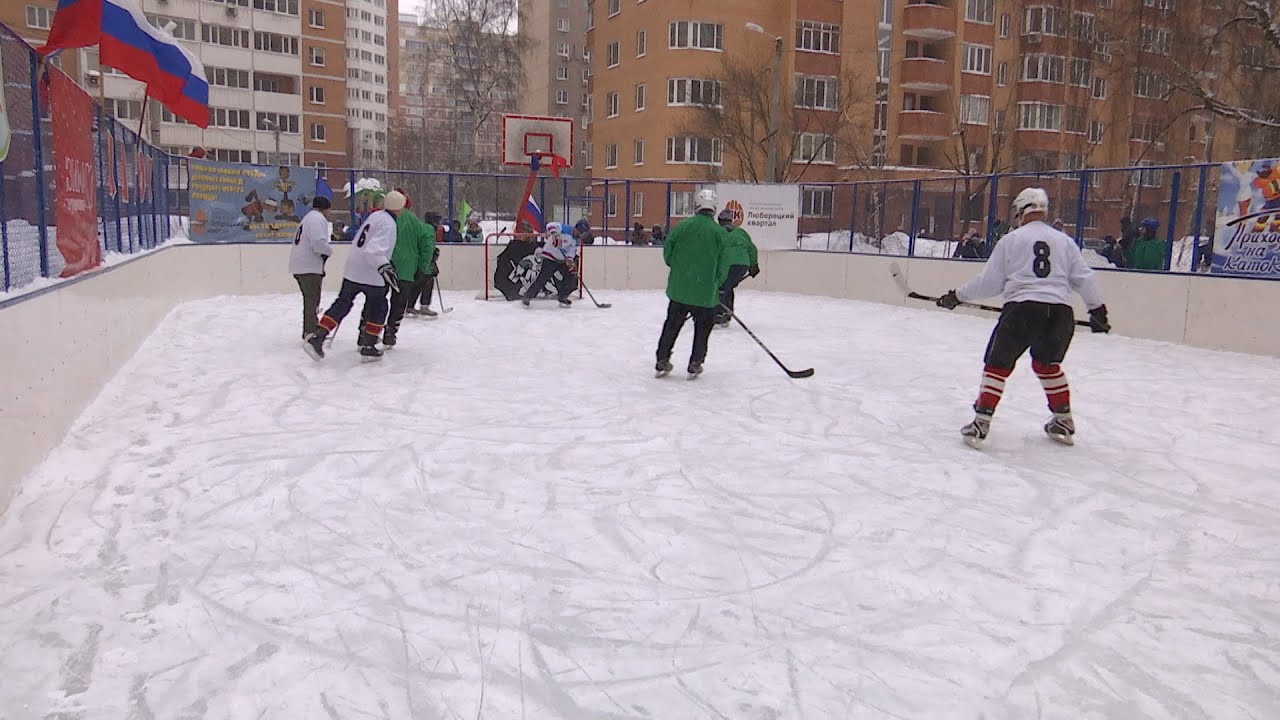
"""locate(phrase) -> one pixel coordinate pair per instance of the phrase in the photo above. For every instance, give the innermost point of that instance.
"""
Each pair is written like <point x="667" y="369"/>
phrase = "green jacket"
<point x="415" y="245"/>
<point x="741" y="250"/>
<point x="1146" y="254"/>
<point x="695" y="252"/>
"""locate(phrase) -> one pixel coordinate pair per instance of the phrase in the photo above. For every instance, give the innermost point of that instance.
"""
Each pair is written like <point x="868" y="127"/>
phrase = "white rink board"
<point x="231" y="531"/>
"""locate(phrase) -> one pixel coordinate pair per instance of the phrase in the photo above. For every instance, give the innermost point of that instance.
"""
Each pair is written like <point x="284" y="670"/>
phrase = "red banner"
<point x="75" y="204"/>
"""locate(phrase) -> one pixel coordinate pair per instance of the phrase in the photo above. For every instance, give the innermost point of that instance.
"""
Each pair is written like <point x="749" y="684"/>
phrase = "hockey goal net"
<point x="511" y="265"/>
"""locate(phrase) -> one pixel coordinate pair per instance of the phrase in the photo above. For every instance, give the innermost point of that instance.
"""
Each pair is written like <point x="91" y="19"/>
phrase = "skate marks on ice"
<point x="509" y="518"/>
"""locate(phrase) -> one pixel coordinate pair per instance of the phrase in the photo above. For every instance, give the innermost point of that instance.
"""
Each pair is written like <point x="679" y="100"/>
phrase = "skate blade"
<point x="311" y="352"/>
<point x="693" y="377"/>
<point x="973" y="441"/>
<point x="1068" y="440"/>
<point x="367" y="359"/>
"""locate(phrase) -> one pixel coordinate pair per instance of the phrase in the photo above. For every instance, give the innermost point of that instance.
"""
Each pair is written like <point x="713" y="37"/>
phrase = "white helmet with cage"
<point x="706" y="199"/>
<point x="1030" y="200"/>
<point x="553" y="228"/>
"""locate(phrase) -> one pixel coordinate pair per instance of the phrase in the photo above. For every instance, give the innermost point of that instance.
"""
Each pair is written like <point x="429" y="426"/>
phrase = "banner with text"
<point x="245" y="203"/>
<point x="769" y="213"/>
<point x="1246" y="239"/>
<point x="75" y="205"/>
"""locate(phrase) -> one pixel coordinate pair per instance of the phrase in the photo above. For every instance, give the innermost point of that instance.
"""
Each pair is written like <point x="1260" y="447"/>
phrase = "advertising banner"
<point x="1246" y="239"/>
<point x="75" y="202"/>
<point x="769" y="213"/>
<point x="245" y="203"/>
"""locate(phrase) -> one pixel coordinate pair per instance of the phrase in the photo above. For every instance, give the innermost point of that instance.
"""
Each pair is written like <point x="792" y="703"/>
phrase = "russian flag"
<point x="128" y="43"/>
<point x="532" y="214"/>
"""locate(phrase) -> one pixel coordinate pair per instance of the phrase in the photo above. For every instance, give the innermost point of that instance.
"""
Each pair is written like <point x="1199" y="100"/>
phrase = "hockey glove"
<point x="389" y="276"/>
<point x="754" y="271"/>
<point x="949" y="301"/>
<point x="1098" y="320"/>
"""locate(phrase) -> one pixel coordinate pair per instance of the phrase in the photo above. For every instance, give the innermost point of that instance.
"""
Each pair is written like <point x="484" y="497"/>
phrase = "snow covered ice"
<point x="508" y="517"/>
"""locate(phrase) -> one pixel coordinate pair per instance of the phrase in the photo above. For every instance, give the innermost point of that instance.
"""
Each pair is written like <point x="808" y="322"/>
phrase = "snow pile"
<point x="743" y="546"/>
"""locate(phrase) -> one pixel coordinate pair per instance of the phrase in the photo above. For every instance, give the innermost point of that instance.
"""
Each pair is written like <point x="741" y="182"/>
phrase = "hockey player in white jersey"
<point x="368" y="272"/>
<point x="559" y="255"/>
<point x="1036" y="268"/>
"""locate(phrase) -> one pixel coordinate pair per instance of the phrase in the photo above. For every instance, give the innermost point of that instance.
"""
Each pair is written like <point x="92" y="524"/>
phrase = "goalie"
<point x="558" y="255"/>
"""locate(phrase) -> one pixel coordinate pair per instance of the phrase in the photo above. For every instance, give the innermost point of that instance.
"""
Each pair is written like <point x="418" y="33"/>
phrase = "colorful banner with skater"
<point x="1246" y="238"/>
<point x="246" y="203"/>
<point x="75" y="205"/>
<point x="769" y="213"/>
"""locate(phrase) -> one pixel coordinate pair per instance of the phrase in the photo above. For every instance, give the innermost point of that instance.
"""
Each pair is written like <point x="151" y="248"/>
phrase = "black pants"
<point x="1044" y="328"/>
<point x="309" y="284"/>
<point x="565" y="280"/>
<point x="398" y="304"/>
<point x="421" y="290"/>
<point x="373" y="317"/>
<point x="677" y="314"/>
<point x="737" y="273"/>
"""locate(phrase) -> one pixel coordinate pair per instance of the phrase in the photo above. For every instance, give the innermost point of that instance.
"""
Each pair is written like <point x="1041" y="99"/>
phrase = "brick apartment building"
<point x="932" y="88"/>
<point x="556" y="60"/>
<point x="291" y="81"/>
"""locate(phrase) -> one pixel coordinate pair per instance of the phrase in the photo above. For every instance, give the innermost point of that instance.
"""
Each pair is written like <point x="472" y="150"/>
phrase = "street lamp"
<point x="274" y="127"/>
<point x="775" y="98"/>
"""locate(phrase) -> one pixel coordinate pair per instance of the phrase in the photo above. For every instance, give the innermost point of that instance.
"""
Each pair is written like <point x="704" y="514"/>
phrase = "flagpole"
<point x="142" y="117"/>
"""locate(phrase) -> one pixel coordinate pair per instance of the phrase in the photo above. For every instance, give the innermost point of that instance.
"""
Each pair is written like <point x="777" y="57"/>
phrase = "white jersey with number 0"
<point x="1034" y="263"/>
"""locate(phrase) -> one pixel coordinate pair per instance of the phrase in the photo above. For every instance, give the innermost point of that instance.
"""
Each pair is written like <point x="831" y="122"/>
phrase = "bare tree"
<point x="736" y="111"/>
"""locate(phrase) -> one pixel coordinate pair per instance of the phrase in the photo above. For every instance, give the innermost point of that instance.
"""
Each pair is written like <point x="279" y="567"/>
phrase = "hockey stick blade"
<point x="794" y="374"/>
<point x="593" y="297"/>
<point x="902" y="283"/>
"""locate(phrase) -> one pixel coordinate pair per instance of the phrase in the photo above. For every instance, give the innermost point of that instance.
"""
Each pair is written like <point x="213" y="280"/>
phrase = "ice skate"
<point x="413" y="312"/>
<point x="662" y="369"/>
<point x="1061" y="428"/>
<point x="525" y="302"/>
<point x="565" y="302"/>
<point x="369" y="353"/>
<point x="388" y="340"/>
<point x="427" y="312"/>
<point x="313" y="344"/>
<point x="695" y="369"/>
<point x="976" y="431"/>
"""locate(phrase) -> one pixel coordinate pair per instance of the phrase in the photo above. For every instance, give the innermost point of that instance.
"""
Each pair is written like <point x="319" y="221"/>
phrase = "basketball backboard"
<point x="526" y="135"/>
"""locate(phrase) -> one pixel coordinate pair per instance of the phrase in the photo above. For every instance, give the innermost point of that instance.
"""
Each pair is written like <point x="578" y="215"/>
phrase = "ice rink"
<point x="509" y="517"/>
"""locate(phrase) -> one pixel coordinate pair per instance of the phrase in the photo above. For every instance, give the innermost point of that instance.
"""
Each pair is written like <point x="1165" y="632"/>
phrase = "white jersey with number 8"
<point x="1035" y="263"/>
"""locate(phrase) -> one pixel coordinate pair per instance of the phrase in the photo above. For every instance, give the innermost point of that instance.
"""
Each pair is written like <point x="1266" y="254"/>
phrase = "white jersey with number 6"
<point x="1034" y="263"/>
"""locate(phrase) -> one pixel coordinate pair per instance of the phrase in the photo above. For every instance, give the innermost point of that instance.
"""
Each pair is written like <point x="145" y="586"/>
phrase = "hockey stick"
<point x="440" y="294"/>
<point x="795" y="374"/>
<point x="902" y="285"/>
<point x="593" y="297"/>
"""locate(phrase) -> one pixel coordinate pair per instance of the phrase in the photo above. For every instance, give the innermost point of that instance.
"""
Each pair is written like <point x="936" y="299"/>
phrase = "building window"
<point x="1165" y="5"/>
<point x="642" y="43"/>
<point x="587" y="155"/>
<point x="818" y="148"/>
<point x="817" y="37"/>
<point x="882" y="65"/>
<point x="612" y="54"/>
<point x="693" y="91"/>
<point x="1083" y="27"/>
<point x="1144" y="129"/>
<point x="638" y="151"/>
<point x="124" y="109"/>
<point x="640" y="97"/>
<point x="817" y="92"/>
<point x="562" y="73"/>
<point x="562" y="97"/>
<point x="637" y="204"/>
<point x="274" y="84"/>
<point x="816" y="202"/>
<point x="611" y="104"/>
<point x="1002" y="74"/>
<point x="229" y="118"/>
<point x="562" y="24"/>
<point x="975" y="109"/>
<point x="615" y="7"/>
<point x="226" y="36"/>
<point x="977" y="59"/>
<point x="1147" y="178"/>
<point x="611" y="204"/>
<point x="701" y="35"/>
<point x="1039" y="116"/>
<point x="1047" y="20"/>
<point x="1096" y="130"/>
<point x="610" y="156"/>
<point x="1150" y="85"/>
<point x="226" y="77"/>
<point x="315" y="18"/>
<point x="693" y="151"/>
<point x="274" y="43"/>
<point x="316" y="94"/>
<point x="182" y="29"/>
<point x="317" y="132"/>
<point x="979" y="11"/>
<point x="1155" y="40"/>
<point x="563" y="50"/>
<point x="924" y="103"/>
<point x="1042" y="68"/>
<point x="267" y="121"/>
<point x="231" y="156"/>
<point x="1076" y="120"/>
<point x="40" y="18"/>
<point x="1099" y="88"/>
<point x="284" y="7"/>
<point x="1004" y="25"/>
<point x="317" y="56"/>
<point x="1081" y="72"/>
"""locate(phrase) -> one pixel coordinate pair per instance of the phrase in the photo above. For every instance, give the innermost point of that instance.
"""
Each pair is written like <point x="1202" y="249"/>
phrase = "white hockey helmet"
<point x="706" y="199"/>
<point x="1030" y="200"/>
<point x="553" y="228"/>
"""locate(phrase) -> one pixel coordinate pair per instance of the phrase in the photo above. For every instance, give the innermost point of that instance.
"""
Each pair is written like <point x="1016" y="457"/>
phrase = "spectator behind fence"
<point x="1059" y="225"/>
<point x="1147" y="251"/>
<point x="1128" y="234"/>
<point x="657" y="235"/>
<point x="1112" y="252"/>
<point x="582" y="231"/>
<point x="639" y="236"/>
<point x="474" y="234"/>
<point x="969" y="247"/>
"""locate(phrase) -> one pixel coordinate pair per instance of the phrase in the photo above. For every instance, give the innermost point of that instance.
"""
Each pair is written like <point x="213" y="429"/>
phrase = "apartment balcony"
<point x="928" y="20"/>
<point x="924" y="125"/>
<point x="926" y="74"/>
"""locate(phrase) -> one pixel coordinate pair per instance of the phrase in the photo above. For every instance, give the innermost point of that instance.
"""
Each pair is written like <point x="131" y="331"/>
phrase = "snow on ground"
<point x="509" y="517"/>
